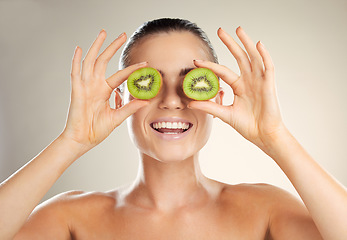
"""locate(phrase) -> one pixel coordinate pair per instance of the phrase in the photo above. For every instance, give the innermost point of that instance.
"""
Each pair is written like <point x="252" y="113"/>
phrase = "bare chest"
<point x="203" y="225"/>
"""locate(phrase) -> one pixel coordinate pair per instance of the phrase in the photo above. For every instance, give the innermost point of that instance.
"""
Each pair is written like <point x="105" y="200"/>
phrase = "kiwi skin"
<point x="204" y="76"/>
<point x="147" y="91"/>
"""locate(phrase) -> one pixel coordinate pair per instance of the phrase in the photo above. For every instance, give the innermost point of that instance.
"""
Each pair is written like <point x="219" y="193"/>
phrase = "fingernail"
<point x="141" y="63"/>
<point x="220" y="31"/>
<point x="198" y="60"/>
<point x="121" y="35"/>
<point x="102" y="30"/>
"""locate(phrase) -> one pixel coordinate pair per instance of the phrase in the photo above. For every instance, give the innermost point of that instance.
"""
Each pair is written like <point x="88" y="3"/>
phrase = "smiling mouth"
<point x="171" y="127"/>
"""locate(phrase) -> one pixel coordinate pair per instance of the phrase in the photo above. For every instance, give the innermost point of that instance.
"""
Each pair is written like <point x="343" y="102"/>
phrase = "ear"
<point x="118" y="98"/>
<point x="219" y="97"/>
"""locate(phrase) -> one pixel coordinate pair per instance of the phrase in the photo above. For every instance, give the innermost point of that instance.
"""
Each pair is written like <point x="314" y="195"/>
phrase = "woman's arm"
<point x="21" y="192"/>
<point x="255" y="114"/>
<point x="90" y="121"/>
<point x="324" y="197"/>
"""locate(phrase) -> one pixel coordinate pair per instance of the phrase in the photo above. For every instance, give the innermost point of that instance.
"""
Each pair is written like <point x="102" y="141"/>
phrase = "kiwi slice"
<point x="144" y="83"/>
<point x="201" y="84"/>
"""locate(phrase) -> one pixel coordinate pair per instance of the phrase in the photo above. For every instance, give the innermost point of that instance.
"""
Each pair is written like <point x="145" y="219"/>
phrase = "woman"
<point x="171" y="198"/>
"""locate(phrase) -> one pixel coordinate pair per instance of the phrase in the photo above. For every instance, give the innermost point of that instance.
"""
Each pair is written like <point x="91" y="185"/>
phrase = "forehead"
<point x="169" y="49"/>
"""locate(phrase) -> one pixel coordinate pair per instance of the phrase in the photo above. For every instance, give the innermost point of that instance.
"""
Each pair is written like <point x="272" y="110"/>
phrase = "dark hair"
<point x="164" y="25"/>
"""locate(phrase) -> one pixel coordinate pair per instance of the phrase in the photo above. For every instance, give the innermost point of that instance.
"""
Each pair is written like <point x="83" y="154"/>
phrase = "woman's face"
<point x="166" y="129"/>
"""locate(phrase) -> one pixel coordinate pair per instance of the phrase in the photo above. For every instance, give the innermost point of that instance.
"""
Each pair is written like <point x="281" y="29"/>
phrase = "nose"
<point x="172" y="98"/>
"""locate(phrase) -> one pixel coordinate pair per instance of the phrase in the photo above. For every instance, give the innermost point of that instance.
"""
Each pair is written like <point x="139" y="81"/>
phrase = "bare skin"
<point x="171" y="198"/>
<point x="238" y="212"/>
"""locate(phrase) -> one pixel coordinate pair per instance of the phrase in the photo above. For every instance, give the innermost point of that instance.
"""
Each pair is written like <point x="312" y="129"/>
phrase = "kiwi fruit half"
<point x="201" y="84"/>
<point x="144" y="83"/>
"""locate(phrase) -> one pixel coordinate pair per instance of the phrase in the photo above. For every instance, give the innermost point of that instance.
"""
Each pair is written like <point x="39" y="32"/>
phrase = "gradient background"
<point x="307" y="41"/>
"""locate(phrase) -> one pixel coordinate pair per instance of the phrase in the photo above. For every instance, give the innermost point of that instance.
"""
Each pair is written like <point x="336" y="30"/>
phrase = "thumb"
<point x="215" y="109"/>
<point x="119" y="115"/>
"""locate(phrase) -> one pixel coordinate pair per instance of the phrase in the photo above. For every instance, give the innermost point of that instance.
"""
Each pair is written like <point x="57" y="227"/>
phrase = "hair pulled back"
<point x="164" y="25"/>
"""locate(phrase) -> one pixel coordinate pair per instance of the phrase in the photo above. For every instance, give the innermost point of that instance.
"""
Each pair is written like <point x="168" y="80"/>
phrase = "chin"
<point x="174" y="151"/>
<point x="174" y="154"/>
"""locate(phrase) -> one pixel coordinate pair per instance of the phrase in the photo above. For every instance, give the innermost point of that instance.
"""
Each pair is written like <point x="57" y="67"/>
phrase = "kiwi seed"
<point x="201" y="84"/>
<point x="144" y="83"/>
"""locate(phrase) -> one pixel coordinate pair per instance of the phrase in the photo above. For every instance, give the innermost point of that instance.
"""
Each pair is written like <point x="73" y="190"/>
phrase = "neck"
<point x="168" y="186"/>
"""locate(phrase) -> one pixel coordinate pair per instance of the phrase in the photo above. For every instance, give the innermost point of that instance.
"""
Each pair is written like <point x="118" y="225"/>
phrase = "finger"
<point x="116" y="79"/>
<point x="239" y="54"/>
<point x="119" y="115"/>
<point x="227" y="75"/>
<point x="76" y="71"/>
<point x="76" y="64"/>
<point x="215" y="109"/>
<point x="256" y="60"/>
<point x="93" y="51"/>
<point x="107" y="54"/>
<point x="265" y="55"/>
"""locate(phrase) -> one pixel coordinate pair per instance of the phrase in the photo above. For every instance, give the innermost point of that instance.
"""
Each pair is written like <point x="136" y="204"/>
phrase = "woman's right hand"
<point x="91" y="118"/>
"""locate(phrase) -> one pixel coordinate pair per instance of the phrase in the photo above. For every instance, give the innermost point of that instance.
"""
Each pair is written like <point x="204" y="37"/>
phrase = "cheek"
<point x="136" y="129"/>
<point x="205" y="127"/>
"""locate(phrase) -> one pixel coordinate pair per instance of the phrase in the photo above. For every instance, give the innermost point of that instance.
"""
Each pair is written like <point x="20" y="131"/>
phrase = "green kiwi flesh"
<point x="144" y="83"/>
<point x="201" y="84"/>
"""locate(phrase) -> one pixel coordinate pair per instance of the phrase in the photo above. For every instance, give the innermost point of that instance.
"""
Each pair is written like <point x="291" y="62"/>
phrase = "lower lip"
<point x="171" y="137"/>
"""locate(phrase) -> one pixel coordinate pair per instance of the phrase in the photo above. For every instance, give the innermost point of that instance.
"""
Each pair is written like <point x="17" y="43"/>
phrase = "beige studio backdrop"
<point x="307" y="41"/>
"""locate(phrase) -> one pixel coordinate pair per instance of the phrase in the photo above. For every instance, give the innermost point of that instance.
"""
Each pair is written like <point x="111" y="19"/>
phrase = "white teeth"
<point x="171" y="125"/>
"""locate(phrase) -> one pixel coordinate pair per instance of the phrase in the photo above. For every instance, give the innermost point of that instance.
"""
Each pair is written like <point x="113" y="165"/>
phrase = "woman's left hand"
<point x="255" y="112"/>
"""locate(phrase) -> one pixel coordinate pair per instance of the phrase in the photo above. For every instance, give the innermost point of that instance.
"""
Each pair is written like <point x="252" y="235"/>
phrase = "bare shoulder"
<point x="56" y="217"/>
<point x="74" y="201"/>
<point x="266" y="195"/>
<point x="84" y="198"/>
<point x="286" y="215"/>
<point x="77" y="205"/>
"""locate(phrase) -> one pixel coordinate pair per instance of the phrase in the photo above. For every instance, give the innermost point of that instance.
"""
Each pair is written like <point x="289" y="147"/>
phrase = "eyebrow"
<point x="183" y="71"/>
